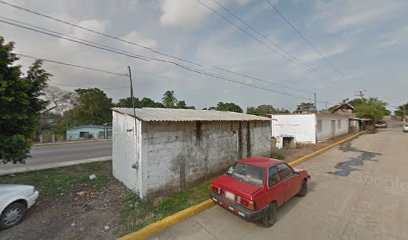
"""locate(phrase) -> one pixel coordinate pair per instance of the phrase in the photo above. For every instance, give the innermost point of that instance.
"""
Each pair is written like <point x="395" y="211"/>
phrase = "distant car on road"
<point x="15" y="199"/>
<point x="255" y="187"/>
<point x="405" y="127"/>
<point x="381" y="124"/>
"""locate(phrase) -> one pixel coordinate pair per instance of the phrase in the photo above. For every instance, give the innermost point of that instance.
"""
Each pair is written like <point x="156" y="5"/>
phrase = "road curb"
<point x="72" y="142"/>
<point x="160" y="225"/>
<point x="168" y="221"/>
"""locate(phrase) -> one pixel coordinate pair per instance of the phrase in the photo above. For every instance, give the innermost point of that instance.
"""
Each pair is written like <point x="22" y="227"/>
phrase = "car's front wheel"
<point x="270" y="217"/>
<point x="12" y="215"/>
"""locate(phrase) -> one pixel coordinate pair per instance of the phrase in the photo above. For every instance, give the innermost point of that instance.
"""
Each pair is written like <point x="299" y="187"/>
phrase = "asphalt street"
<point x="60" y="153"/>
<point x="359" y="190"/>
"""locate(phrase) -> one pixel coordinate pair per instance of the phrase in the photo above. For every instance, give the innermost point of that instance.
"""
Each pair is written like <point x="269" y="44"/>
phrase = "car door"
<point x="289" y="180"/>
<point x="276" y="190"/>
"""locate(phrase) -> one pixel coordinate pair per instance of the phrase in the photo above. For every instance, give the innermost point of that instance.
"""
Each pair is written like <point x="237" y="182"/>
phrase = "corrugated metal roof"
<point x="170" y="114"/>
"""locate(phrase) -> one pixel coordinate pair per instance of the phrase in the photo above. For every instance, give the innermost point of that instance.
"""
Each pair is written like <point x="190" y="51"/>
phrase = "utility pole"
<point x="360" y="93"/>
<point x="131" y="95"/>
<point x="315" y="102"/>
<point x="136" y="164"/>
<point x="325" y="104"/>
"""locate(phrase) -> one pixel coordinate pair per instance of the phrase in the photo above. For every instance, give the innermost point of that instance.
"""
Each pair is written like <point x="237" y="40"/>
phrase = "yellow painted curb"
<point x="158" y="226"/>
<point x="309" y="156"/>
<point x="168" y="221"/>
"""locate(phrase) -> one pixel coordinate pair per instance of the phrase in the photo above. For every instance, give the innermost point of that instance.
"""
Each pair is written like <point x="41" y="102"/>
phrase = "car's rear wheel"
<point x="303" y="189"/>
<point x="12" y="215"/>
<point x="270" y="217"/>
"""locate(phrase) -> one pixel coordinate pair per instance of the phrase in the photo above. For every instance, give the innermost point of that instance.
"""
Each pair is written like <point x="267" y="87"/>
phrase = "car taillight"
<point x="246" y="203"/>
<point x="216" y="189"/>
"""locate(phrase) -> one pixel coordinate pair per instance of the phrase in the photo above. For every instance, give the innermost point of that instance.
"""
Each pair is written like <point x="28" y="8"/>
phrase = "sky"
<point x="363" y="46"/>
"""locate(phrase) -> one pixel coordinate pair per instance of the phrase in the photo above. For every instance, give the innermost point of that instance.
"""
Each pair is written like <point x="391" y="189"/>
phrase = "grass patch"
<point x="277" y="156"/>
<point x="54" y="181"/>
<point x="138" y="214"/>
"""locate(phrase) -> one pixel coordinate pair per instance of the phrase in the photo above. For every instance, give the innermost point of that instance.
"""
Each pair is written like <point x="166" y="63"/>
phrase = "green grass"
<point x="277" y="156"/>
<point x="138" y="214"/>
<point x="54" y="181"/>
<point x="133" y="213"/>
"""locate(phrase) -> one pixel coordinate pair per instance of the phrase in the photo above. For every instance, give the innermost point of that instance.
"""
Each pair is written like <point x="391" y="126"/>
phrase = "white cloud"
<point x="139" y="39"/>
<point x="189" y="14"/>
<point x="342" y="15"/>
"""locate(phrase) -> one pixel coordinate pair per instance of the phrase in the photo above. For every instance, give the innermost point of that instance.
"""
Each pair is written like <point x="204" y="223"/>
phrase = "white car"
<point x="405" y="127"/>
<point x="15" y="199"/>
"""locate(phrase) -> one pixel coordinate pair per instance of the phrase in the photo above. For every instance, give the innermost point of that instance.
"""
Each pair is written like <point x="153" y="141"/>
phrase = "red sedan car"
<point x="255" y="187"/>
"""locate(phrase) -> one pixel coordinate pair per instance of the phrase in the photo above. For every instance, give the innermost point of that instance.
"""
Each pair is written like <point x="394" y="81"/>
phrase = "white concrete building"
<point x="307" y="128"/>
<point x="171" y="149"/>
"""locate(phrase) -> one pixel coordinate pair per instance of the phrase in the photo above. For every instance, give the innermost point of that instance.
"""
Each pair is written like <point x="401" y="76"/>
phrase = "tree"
<point x="169" y="100"/>
<point x="305" y="107"/>
<point x="371" y="108"/>
<point x="400" y="111"/>
<point x="230" y="107"/>
<point x="183" y="105"/>
<point x="265" y="110"/>
<point x="92" y="107"/>
<point x="145" y="102"/>
<point x="58" y="99"/>
<point x="20" y="104"/>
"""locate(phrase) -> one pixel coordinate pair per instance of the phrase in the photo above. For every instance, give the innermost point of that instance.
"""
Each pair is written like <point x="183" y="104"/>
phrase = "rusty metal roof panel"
<point x="171" y="114"/>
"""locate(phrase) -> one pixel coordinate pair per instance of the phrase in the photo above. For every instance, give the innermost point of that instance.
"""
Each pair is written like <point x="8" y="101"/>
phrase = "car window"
<point x="285" y="171"/>
<point x="247" y="173"/>
<point x="273" y="176"/>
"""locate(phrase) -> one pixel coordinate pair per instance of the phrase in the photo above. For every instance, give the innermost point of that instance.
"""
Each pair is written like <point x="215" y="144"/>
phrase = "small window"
<point x="319" y="125"/>
<point x="339" y="123"/>
<point x="273" y="176"/>
<point x="285" y="171"/>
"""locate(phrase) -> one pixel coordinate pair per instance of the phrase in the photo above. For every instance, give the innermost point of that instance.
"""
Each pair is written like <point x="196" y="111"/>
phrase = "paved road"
<point x="358" y="191"/>
<point x="60" y="153"/>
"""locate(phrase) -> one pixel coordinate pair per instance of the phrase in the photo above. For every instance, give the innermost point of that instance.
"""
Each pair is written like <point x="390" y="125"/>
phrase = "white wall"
<point x="326" y="132"/>
<point x="299" y="126"/>
<point x="126" y="150"/>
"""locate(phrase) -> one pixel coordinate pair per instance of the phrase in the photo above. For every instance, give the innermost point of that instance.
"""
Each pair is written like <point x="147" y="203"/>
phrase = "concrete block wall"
<point x="178" y="154"/>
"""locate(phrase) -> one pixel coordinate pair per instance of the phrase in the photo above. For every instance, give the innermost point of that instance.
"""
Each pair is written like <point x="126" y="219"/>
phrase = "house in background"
<point x="158" y="151"/>
<point x="356" y="124"/>
<point x="289" y="129"/>
<point x="88" y="132"/>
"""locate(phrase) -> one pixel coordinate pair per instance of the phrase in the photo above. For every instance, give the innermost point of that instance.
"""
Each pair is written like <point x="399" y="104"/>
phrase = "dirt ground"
<point x="81" y="213"/>
<point x="291" y="154"/>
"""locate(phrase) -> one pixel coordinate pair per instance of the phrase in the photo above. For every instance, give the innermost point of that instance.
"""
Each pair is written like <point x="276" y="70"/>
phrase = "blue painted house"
<point x="85" y="132"/>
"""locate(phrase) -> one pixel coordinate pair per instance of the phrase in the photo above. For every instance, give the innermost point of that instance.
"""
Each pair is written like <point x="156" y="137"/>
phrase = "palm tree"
<point x="169" y="100"/>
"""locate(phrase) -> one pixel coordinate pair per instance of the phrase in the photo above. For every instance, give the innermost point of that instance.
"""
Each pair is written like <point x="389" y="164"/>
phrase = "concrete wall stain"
<point x="248" y="140"/>
<point x="240" y="143"/>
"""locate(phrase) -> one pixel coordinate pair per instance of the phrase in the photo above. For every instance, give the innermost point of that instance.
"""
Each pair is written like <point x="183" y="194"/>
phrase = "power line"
<point x="305" y="39"/>
<point x="155" y="59"/>
<point x="145" y="47"/>
<point x="73" y="40"/>
<point x="287" y="54"/>
<point x="67" y="85"/>
<point x="227" y="79"/>
<point x="71" y="65"/>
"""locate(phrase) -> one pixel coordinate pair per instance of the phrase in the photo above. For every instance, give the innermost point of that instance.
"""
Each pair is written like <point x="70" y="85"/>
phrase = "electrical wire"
<point x="71" y="65"/>
<point x="306" y="40"/>
<point x="286" y="54"/>
<point x="145" y="47"/>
